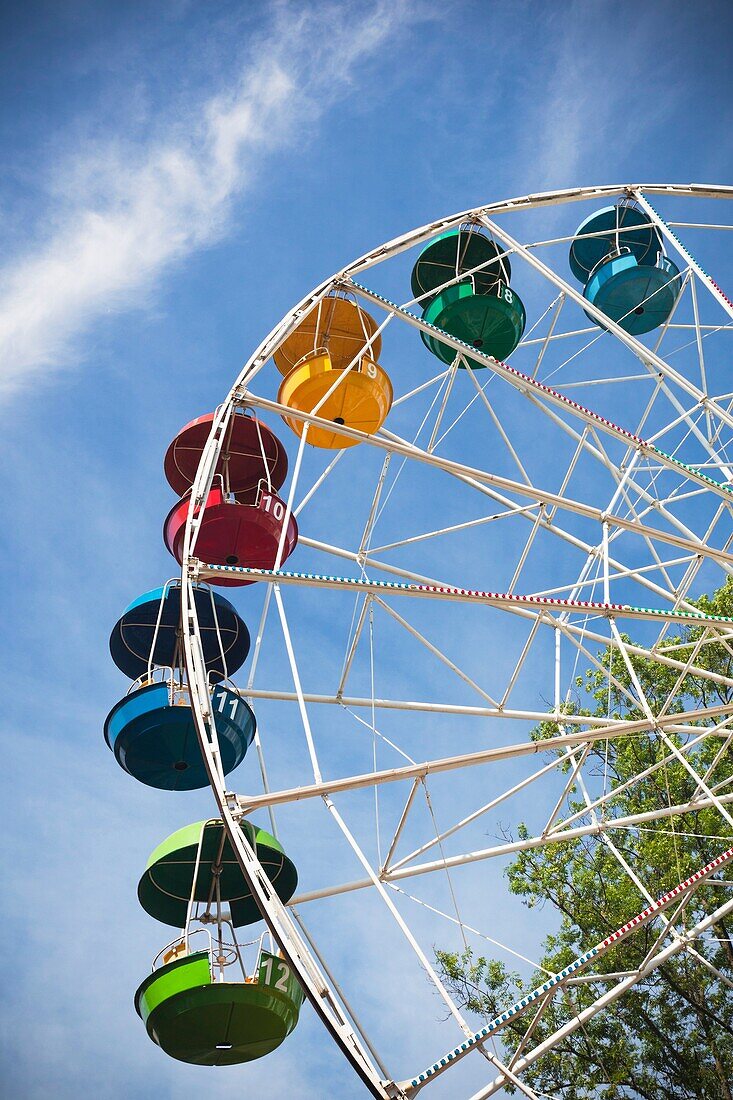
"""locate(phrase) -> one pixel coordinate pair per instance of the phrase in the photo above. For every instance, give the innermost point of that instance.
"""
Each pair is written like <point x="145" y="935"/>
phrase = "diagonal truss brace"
<point x="522" y="1006"/>
<point x="389" y="442"/>
<point x="504" y="600"/>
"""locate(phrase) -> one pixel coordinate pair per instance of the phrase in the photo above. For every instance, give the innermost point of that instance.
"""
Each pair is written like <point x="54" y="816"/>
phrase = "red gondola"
<point x="232" y="533"/>
<point x="249" y="454"/>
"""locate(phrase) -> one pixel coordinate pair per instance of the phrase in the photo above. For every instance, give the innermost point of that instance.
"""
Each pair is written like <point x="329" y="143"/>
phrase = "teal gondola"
<point x="618" y="254"/>
<point x="636" y="296"/>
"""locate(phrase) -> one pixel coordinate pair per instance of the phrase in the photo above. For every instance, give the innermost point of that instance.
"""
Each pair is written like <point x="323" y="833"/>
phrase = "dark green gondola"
<point x="491" y="323"/>
<point x="451" y="255"/>
<point x="480" y="309"/>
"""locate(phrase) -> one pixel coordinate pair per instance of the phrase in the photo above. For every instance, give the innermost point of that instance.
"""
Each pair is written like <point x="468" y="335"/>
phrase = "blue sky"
<point x="175" y="179"/>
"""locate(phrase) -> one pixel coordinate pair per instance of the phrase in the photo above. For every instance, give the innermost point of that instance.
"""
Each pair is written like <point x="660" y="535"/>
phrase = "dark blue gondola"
<point x="148" y="633"/>
<point x="152" y="734"/>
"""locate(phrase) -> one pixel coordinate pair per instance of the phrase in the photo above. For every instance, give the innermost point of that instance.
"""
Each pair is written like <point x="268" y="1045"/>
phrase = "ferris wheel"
<point x="428" y="546"/>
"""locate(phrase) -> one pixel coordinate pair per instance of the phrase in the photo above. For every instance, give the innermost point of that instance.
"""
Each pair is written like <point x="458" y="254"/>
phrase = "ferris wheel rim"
<point x="191" y="567"/>
<point x="415" y="236"/>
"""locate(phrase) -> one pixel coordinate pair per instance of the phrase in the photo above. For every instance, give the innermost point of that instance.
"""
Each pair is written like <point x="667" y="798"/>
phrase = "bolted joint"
<point x="234" y="805"/>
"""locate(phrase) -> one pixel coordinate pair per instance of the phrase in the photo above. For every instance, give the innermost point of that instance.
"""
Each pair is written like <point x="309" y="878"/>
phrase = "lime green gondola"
<point x="195" y="1018"/>
<point x="167" y="887"/>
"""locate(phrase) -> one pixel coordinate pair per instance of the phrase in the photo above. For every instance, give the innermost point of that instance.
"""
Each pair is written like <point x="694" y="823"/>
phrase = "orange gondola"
<point x="331" y="370"/>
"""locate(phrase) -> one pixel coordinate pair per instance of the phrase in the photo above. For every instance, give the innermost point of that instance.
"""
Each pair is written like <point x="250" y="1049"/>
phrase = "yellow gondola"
<point x="361" y="399"/>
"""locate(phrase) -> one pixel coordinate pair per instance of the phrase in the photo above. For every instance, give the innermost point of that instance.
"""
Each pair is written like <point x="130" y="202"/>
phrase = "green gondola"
<point x="195" y="1018"/>
<point x="491" y="323"/>
<point x="452" y="254"/>
<point x="479" y="308"/>
<point x="167" y="886"/>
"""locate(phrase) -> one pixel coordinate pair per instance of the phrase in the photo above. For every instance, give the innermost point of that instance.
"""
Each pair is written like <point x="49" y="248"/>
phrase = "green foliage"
<point x="671" y="1037"/>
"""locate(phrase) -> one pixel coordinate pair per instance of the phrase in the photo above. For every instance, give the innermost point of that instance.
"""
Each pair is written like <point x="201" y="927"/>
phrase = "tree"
<point x="671" y="1036"/>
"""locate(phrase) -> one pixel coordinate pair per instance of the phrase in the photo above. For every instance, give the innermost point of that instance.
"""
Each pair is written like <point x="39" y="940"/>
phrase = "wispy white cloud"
<point x="140" y="208"/>
<point x="579" y="113"/>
